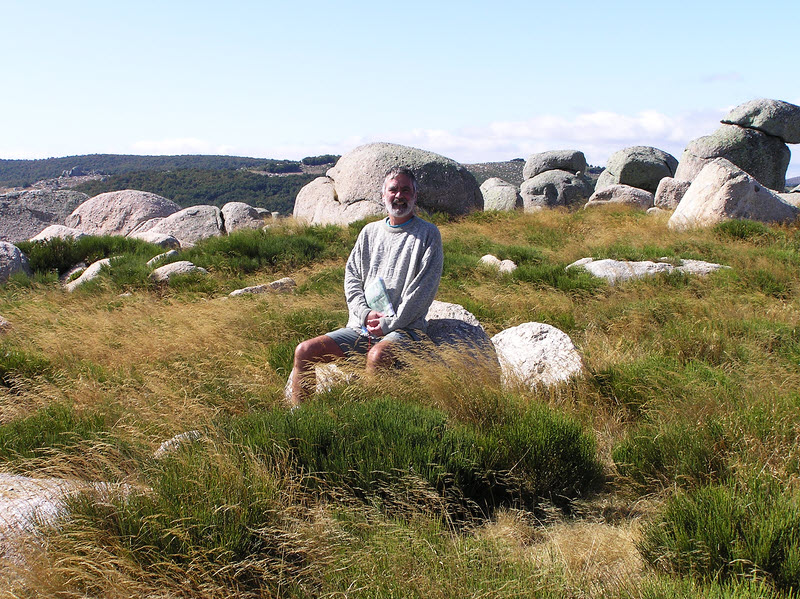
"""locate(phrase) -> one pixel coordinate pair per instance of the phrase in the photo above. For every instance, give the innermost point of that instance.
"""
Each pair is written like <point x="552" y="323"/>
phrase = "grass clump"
<point x="735" y="530"/>
<point x="374" y="447"/>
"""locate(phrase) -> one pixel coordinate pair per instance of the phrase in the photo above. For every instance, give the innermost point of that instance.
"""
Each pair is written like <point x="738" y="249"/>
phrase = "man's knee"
<point x="318" y="349"/>
<point x="380" y="355"/>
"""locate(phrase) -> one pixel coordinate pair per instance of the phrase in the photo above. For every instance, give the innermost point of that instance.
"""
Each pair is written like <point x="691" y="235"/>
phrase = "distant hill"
<point x="24" y="173"/>
<point x="793" y="182"/>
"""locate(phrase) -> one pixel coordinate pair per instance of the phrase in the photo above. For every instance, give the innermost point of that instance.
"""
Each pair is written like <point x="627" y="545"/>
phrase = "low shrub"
<point x="728" y="531"/>
<point x="60" y="255"/>
<point x="17" y="364"/>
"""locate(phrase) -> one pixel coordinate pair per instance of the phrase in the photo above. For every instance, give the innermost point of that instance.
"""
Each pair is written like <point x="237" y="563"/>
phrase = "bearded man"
<point x="390" y="281"/>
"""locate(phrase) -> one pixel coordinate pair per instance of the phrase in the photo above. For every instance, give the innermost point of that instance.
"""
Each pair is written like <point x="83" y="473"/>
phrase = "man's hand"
<point x="373" y="324"/>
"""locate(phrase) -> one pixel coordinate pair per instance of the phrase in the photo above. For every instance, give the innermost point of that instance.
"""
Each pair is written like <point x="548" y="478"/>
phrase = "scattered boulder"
<point x="12" y="261"/>
<point x="119" y="212"/>
<point x="24" y="213"/>
<point x="284" y="285"/>
<point x="444" y="185"/>
<point x="190" y="225"/>
<point x="504" y="266"/>
<point x="554" y="188"/>
<point x="670" y="192"/>
<point x="151" y="263"/>
<point x="621" y="195"/>
<point x="792" y="198"/>
<point x="91" y="273"/>
<point x="572" y="161"/>
<point x="173" y="445"/>
<point x="535" y="354"/>
<point x="773" y="117"/>
<point x="5" y="326"/>
<point x="500" y="195"/>
<point x="238" y="215"/>
<point x="722" y="191"/>
<point x="328" y="376"/>
<point x="160" y="239"/>
<point x="58" y="232"/>
<point x="182" y="267"/>
<point x="637" y="166"/>
<point x="316" y="204"/>
<point x="763" y="156"/>
<point x="615" y="271"/>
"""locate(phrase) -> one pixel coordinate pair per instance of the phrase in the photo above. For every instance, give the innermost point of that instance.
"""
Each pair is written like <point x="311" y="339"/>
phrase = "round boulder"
<point x="238" y="215"/>
<point x="190" y="225"/>
<point x="316" y="204"/>
<point x="58" y="232"/>
<point x="551" y="189"/>
<point x="637" y="166"/>
<point x="444" y="185"/>
<point x="119" y="212"/>
<point x="12" y="261"/>
<point x="535" y="354"/>
<point x="670" y="192"/>
<point x="772" y="117"/>
<point x="764" y="157"/>
<point x="621" y="195"/>
<point x="500" y="195"/>
<point x="572" y="161"/>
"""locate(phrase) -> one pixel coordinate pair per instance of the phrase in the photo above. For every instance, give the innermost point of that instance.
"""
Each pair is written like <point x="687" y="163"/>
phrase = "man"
<point x="403" y="251"/>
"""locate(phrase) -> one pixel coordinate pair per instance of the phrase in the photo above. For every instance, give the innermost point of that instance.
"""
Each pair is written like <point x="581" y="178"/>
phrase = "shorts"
<point x="353" y="341"/>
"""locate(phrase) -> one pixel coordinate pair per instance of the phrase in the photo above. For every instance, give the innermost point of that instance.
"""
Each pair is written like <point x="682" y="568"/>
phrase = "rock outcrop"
<point x="615" y="271"/>
<point x="164" y="273"/>
<point x="753" y="136"/>
<point x="638" y="166"/>
<point x="23" y="214"/>
<point x="119" y="212"/>
<point x="58" y="232"/>
<point x="670" y="192"/>
<point x="238" y="215"/>
<point x="444" y="185"/>
<point x="722" y="191"/>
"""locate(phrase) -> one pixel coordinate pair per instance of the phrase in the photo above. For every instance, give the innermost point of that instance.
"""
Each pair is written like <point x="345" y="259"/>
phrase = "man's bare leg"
<point x="308" y="353"/>
<point x="379" y="357"/>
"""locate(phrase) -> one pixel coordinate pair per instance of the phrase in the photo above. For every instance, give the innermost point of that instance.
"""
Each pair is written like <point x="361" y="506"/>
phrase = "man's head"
<point x="399" y="194"/>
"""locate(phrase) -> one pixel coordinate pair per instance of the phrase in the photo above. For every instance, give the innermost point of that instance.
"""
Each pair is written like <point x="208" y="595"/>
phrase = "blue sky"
<point x="475" y="81"/>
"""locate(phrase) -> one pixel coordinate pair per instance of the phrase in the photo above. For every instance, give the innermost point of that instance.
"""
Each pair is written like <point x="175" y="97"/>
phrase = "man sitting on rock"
<point x="390" y="280"/>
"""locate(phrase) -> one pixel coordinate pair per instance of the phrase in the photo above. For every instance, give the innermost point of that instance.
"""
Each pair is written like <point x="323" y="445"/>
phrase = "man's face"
<point x="398" y="196"/>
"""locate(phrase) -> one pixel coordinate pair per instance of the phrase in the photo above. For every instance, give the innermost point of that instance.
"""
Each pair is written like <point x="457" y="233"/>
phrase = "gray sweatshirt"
<point x="408" y="258"/>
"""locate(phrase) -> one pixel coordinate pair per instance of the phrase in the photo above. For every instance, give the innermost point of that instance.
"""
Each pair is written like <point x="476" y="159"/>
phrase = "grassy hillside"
<point x="669" y="469"/>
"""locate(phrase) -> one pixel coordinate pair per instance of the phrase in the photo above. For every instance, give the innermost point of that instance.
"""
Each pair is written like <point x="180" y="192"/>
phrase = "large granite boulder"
<point x="637" y="166"/>
<point x="535" y="354"/>
<point x="773" y="117"/>
<point x="444" y="185"/>
<point x="316" y="203"/>
<point x="24" y="213"/>
<point x="89" y="274"/>
<point x="763" y="156"/>
<point x="554" y="188"/>
<point x="500" y="195"/>
<point x="670" y="192"/>
<point x="621" y="195"/>
<point x="239" y="215"/>
<point x="119" y="212"/>
<point x="615" y="271"/>
<point x="164" y="273"/>
<point x="722" y="191"/>
<point x="12" y="261"/>
<point x="190" y="225"/>
<point x="572" y="161"/>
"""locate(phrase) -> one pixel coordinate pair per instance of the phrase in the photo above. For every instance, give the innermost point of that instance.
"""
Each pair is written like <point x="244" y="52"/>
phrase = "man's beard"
<point x="400" y="209"/>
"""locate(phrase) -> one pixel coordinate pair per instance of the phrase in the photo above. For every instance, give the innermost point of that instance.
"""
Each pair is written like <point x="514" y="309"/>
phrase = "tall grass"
<point x="432" y="481"/>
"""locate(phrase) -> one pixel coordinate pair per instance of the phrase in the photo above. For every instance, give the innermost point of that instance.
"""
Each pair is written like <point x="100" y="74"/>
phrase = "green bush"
<point x="721" y="532"/>
<point x="744" y="230"/>
<point x="60" y="255"/>
<point x="16" y="364"/>
<point x="371" y="447"/>
<point x="682" y="453"/>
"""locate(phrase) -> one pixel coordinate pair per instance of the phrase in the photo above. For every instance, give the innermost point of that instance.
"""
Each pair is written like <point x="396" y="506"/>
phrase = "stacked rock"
<point x="553" y="179"/>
